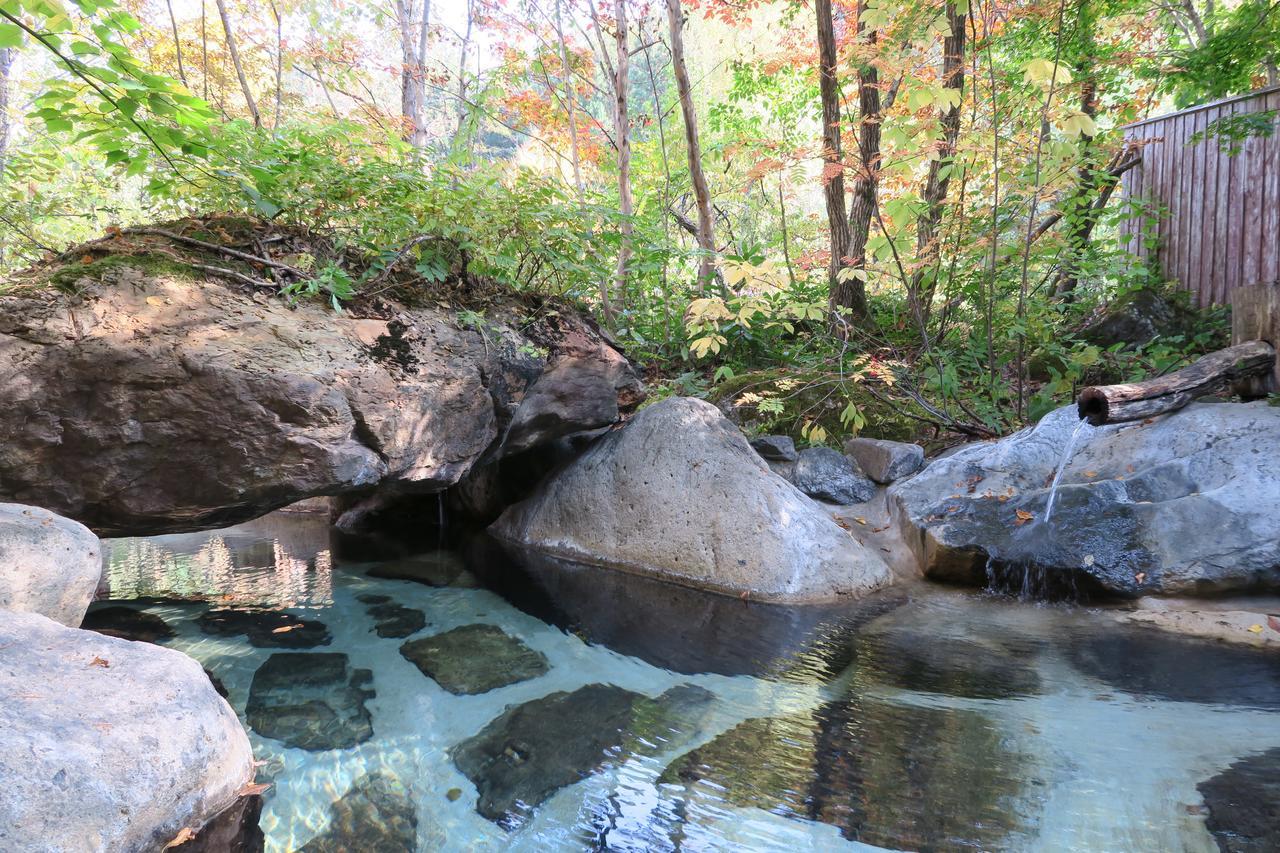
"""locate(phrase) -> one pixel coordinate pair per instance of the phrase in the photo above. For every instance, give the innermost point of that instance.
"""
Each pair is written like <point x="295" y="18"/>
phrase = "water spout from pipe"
<point x="1062" y="465"/>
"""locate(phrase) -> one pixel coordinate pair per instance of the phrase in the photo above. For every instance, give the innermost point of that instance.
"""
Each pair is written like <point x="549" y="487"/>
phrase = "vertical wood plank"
<point x="1235" y="231"/>
<point x="1269" y="238"/>
<point x="1210" y="255"/>
<point x="1250" y="164"/>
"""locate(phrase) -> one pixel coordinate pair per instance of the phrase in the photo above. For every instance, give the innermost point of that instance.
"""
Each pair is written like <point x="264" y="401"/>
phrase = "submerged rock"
<point x="396" y="620"/>
<point x="530" y="751"/>
<point x="830" y="476"/>
<point x="474" y="659"/>
<point x="127" y="623"/>
<point x="679" y="494"/>
<point x="900" y="777"/>
<point x="969" y="668"/>
<point x="110" y="393"/>
<point x="1244" y="804"/>
<point x="1183" y="504"/>
<point x="375" y="814"/>
<point x="48" y="564"/>
<point x="268" y="629"/>
<point x="107" y="745"/>
<point x="885" y="461"/>
<point x="311" y="701"/>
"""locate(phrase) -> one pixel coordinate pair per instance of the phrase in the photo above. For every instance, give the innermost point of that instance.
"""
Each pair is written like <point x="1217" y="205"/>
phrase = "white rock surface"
<point x="679" y="494"/>
<point x="106" y="745"/>
<point x="48" y="564"/>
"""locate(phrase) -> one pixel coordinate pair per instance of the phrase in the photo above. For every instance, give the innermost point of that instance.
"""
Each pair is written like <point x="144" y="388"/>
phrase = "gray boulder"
<point x="775" y="448"/>
<point x="885" y="461"/>
<point x="680" y="495"/>
<point x="48" y="564"/>
<point x="830" y="476"/>
<point x="111" y="393"/>
<point x="108" y="745"/>
<point x="1185" y="504"/>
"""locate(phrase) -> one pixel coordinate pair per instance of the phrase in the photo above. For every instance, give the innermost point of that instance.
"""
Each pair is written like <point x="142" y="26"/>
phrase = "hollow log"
<point x="1109" y="404"/>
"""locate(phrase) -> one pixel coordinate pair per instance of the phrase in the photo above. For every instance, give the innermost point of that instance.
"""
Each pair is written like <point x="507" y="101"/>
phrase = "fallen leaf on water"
<point x="284" y="629"/>
<point x="253" y="789"/>
<point x="1255" y="629"/>
<point x="184" y="835"/>
<point x="102" y="662"/>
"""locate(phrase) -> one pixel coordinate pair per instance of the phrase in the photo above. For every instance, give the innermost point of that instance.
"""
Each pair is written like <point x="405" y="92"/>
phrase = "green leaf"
<point x="10" y="36"/>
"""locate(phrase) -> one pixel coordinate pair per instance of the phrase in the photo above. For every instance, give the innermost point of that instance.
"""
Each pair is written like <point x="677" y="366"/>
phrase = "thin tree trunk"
<point x="1079" y="208"/>
<point x="666" y="186"/>
<point x="7" y="56"/>
<point x="204" y="51"/>
<point x="622" y="133"/>
<point x="235" y="60"/>
<point x="852" y="293"/>
<point x="275" y="11"/>
<point x="702" y="195"/>
<point x="786" y="241"/>
<point x="177" y="42"/>
<point x="462" y="72"/>
<point x="570" y="99"/>
<point x="833" y="170"/>
<point x="928" y="248"/>
<point x="420" y="120"/>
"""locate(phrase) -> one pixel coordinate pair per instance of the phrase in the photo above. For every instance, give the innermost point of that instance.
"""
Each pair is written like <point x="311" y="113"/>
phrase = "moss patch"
<point x="107" y="267"/>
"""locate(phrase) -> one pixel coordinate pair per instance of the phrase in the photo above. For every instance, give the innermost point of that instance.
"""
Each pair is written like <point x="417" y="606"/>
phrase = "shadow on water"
<point x="680" y="629"/>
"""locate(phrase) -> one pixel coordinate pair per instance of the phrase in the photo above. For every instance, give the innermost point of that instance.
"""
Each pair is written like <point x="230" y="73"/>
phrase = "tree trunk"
<point x="462" y="73"/>
<point x="570" y="102"/>
<point x="7" y="56"/>
<point x="1079" y="208"/>
<point x="235" y="60"/>
<point x="928" y="248"/>
<point x="177" y="42"/>
<point x="413" y="55"/>
<point x="622" y="133"/>
<point x="833" y="169"/>
<point x="1109" y="404"/>
<point x="702" y="195"/>
<point x="851" y="294"/>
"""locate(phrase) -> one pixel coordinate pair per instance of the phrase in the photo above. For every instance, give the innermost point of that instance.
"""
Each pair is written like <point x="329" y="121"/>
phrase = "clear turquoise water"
<point x="929" y="719"/>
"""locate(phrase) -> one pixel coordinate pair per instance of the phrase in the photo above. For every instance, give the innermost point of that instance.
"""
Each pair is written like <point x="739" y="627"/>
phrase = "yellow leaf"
<point x="1078" y="124"/>
<point x="1255" y="629"/>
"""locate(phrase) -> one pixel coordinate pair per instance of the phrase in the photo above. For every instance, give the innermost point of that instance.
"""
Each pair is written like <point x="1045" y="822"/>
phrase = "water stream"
<point x="455" y="700"/>
<point x="1067" y="453"/>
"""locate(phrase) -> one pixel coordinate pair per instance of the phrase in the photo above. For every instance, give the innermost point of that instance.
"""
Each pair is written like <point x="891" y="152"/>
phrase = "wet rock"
<point x="148" y="370"/>
<point x="899" y="777"/>
<point x="830" y="476"/>
<point x="127" y="623"/>
<point x="1185" y="504"/>
<point x="311" y="701"/>
<point x="235" y="829"/>
<point x="530" y="751"/>
<point x="775" y="448"/>
<point x="376" y="814"/>
<point x="678" y="494"/>
<point x="48" y="564"/>
<point x="438" y="568"/>
<point x="395" y="620"/>
<point x="108" y="745"/>
<point x="474" y="659"/>
<point x="1148" y="663"/>
<point x="885" y="461"/>
<point x="1244" y="804"/>
<point x="273" y="629"/>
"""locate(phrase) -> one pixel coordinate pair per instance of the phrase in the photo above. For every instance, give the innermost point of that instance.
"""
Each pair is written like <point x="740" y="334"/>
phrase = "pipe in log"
<point x="1109" y="404"/>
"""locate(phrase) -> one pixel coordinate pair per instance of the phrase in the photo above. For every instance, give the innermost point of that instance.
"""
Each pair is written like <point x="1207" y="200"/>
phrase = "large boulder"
<point x="1187" y="503"/>
<point x="48" y="564"/>
<point x="108" y="745"/>
<point x="679" y="494"/>
<point x="150" y="397"/>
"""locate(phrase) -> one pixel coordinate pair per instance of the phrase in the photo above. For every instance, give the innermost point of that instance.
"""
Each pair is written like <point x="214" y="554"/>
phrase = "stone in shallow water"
<point x="894" y="776"/>
<point x="474" y="659"/>
<point x="1244" y="804"/>
<point x="311" y="701"/>
<point x="439" y="568"/>
<point x="532" y="750"/>
<point x="395" y="620"/>
<point x="266" y="628"/>
<point x="1179" y="669"/>
<point x="127" y="623"/>
<point x="376" y="814"/>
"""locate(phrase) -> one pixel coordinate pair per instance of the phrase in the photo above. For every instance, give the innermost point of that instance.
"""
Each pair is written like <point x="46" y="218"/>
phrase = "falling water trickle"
<point x="1062" y="466"/>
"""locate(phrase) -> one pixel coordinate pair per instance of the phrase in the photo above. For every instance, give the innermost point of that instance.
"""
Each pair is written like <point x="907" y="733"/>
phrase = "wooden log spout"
<point x="1109" y="404"/>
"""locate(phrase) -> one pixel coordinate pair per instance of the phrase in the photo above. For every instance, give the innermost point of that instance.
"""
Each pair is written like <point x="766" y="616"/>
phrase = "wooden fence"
<point x="1220" y="223"/>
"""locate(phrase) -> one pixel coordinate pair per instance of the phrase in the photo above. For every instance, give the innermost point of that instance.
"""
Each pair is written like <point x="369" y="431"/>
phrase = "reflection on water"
<point x="280" y="560"/>
<point x="460" y="701"/>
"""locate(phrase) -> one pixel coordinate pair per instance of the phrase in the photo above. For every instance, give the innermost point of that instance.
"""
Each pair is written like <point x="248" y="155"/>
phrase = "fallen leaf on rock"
<point x="1023" y="517"/>
<point x="1255" y="629"/>
<point x="860" y="520"/>
<point x="252" y="789"/>
<point x="184" y="835"/>
<point x="1274" y="623"/>
<point x="1091" y="474"/>
<point x="102" y="662"/>
<point x="1139" y="577"/>
<point x="87" y="259"/>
